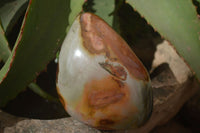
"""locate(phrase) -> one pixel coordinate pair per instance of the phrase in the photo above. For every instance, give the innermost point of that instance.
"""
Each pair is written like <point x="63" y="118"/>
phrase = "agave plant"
<point x="46" y="26"/>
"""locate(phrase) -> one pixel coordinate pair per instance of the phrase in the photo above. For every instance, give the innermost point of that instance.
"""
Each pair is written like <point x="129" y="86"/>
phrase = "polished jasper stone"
<point x="100" y="81"/>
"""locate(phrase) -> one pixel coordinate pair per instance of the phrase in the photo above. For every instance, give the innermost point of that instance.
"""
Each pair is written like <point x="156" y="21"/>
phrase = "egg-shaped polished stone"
<point x="100" y="80"/>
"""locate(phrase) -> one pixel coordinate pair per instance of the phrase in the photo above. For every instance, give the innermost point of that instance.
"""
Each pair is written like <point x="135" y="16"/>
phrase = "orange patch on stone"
<point x="100" y="38"/>
<point x="106" y="97"/>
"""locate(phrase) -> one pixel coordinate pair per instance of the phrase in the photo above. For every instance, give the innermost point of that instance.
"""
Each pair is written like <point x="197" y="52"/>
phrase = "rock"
<point x="171" y="127"/>
<point x="189" y="114"/>
<point x="169" y="97"/>
<point x="167" y="54"/>
<point x="7" y="120"/>
<point x="64" y="125"/>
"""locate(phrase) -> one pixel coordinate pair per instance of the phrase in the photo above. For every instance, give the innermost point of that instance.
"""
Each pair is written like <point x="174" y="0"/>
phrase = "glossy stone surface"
<point x="100" y="81"/>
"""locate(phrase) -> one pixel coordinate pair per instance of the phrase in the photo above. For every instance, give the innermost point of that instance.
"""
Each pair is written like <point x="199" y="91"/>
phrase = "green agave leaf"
<point x="42" y="33"/>
<point x="177" y="21"/>
<point x="4" y="49"/>
<point x="76" y="8"/>
<point x="35" y="88"/>
<point x="136" y="32"/>
<point x="10" y="13"/>
<point x="3" y="2"/>
<point x="102" y="8"/>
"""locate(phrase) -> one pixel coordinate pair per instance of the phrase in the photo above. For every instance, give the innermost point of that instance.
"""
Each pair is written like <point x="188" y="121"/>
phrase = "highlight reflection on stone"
<point x="101" y="82"/>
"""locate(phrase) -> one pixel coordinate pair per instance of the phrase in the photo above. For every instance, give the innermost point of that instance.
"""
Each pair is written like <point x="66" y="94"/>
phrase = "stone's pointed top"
<point x="100" y="38"/>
